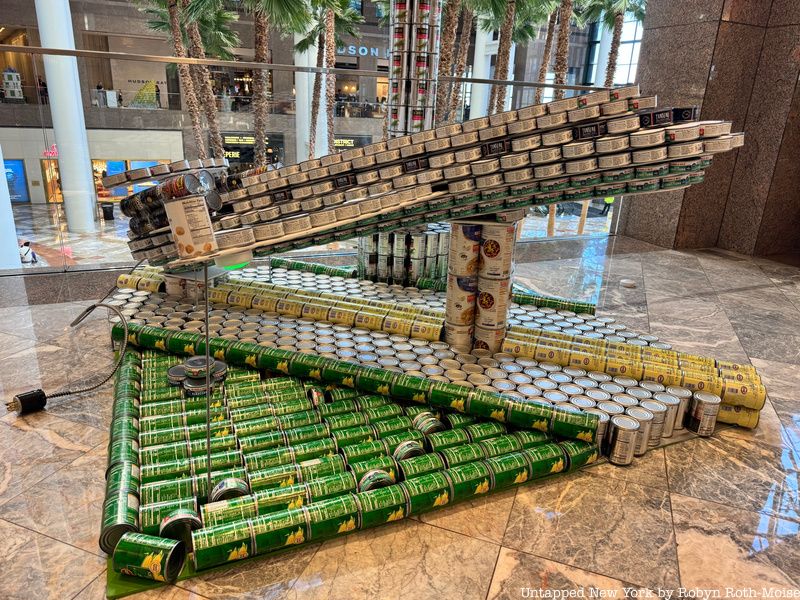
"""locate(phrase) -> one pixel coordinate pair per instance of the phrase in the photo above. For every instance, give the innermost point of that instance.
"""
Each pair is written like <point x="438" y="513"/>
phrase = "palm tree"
<point x="186" y="78"/>
<point x="346" y="20"/>
<point x="611" y="13"/>
<point x="206" y="30"/>
<point x="497" y="97"/>
<point x="562" y="47"/>
<point x="552" y="6"/>
<point x="286" y="16"/>
<point x="330" y="79"/>
<point x="450" y="14"/>
<point x="467" y="23"/>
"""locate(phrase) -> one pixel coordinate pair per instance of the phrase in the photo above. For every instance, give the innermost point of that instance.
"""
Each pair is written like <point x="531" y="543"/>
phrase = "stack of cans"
<point x="405" y="256"/>
<point x="495" y="268"/>
<point x="462" y="284"/>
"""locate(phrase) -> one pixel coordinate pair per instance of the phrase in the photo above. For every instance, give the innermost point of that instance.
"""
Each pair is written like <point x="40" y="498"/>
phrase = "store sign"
<point x="353" y="50"/>
<point x="51" y="152"/>
<point x="240" y="146"/>
<point x="351" y="141"/>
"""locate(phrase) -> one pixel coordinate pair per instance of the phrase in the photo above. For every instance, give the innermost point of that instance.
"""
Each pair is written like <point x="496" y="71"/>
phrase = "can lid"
<point x="654" y="406"/>
<point x="639" y="413"/>
<point x="612" y="408"/>
<point x="679" y="392"/>
<point x="666" y="398"/>
<point x="625" y="422"/>
<point x="707" y="397"/>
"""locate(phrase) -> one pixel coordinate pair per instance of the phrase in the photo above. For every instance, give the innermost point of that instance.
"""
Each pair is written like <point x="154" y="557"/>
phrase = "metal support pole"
<point x="208" y="381"/>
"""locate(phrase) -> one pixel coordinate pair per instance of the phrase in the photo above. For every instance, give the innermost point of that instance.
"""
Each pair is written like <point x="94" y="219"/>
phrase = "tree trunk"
<point x="461" y="62"/>
<point x="317" y="97"/>
<point x="613" y="52"/>
<point x="330" y="79"/>
<point x="503" y="57"/>
<point x="260" y="101"/>
<point x="562" y="48"/>
<point x="186" y="79"/>
<point x="548" y="51"/>
<point x="446" y="48"/>
<point x="206" y="91"/>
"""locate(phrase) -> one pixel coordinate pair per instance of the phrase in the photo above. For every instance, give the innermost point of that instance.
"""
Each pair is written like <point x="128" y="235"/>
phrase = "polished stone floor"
<point x="709" y="513"/>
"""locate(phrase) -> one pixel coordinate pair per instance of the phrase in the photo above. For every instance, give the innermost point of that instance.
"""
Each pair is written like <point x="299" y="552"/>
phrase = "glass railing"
<point x="132" y="125"/>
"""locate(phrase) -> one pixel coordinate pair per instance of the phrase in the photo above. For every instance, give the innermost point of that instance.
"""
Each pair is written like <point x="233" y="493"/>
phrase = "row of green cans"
<point x="556" y="420"/>
<point x="123" y="478"/>
<point x="348" y="512"/>
<point x="360" y="459"/>
<point x="319" y="269"/>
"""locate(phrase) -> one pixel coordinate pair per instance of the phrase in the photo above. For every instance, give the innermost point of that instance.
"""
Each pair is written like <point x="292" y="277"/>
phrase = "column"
<point x="479" y="100"/>
<point x="304" y="94"/>
<point x="66" y="108"/>
<point x="9" y="251"/>
<point x="737" y="60"/>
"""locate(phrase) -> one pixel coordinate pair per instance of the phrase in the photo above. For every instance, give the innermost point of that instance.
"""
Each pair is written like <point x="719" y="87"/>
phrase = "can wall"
<point x="739" y="61"/>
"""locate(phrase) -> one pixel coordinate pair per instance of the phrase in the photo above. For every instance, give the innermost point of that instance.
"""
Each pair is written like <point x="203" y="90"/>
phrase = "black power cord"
<point x="35" y="400"/>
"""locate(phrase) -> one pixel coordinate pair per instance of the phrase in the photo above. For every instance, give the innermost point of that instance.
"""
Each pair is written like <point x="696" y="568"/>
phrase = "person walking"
<point x="42" y="87"/>
<point x="158" y="96"/>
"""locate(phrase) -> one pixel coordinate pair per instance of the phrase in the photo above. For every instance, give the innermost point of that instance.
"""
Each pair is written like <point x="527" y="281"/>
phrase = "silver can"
<point x="645" y="419"/>
<point x="673" y="404"/>
<point x="659" y="410"/>
<point x="703" y="414"/>
<point x="622" y="432"/>
<point x="685" y="396"/>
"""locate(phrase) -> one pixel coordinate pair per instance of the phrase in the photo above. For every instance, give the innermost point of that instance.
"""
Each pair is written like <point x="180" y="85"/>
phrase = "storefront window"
<point x="628" y="59"/>
<point x="17" y="181"/>
<point x="100" y="168"/>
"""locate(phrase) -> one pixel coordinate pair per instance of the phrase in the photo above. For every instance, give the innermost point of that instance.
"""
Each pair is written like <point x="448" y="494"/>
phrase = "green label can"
<point x="457" y="420"/>
<point x="504" y="444"/>
<point x="340" y="394"/>
<point x="459" y="455"/>
<point x="293" y="405"/>
<point x="307" y="433"/>
<point x="280" y="529"/>
<point x="375" y="381"/>
<point x="409" y="435"/>
<point x="149" y="557"/>
<point x="381" y="506"/>
<point x="150" y="515"/>
<point x="407" y="387"/>
<point x="484" y="431"/>
<point x="345" y="421"/>
<point x="221" y="544"/>
<point x="530" y="415"/>
<point x="338" y="372"/>
<point x="299" y="419"/>
<point x="545" y="459"/>
<point x="509" y="469"/>
<point x="281" y="476"/>
<point x="123" y="477"/>
<point x="229" y="511"/>
<point x="420" y="465"/>
<point x="364" y="451"/>
<point x="470" y="479"/>
<point x="371" y="401"/>
<point x="392" y="426"/>
<point x="447" y="439"/>
<point x="337" y="408"/>
<point x="382" y="463"/>
<point x="331" y="485"/>
<point x="531" y="438"/>
<point x="381" y="413"/>
<point x="120" y="515"/>
<point x="574" y="424"/>
<point x="426" y="492"/>
<point x="256" y="426"/>
<point x="262" y="441"/>
<point x="487" y="405"/>
<point x="448" y="395"/>
<point x="353" y="435"/>
<point x="321" y="467"/>
<point x="264" y="459"/>
<point x="331" y="517"/>
<point x="579" y="453"/>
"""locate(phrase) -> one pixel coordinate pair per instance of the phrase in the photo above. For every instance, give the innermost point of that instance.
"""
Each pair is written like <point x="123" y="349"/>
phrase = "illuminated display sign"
<point x="239" y="146"/>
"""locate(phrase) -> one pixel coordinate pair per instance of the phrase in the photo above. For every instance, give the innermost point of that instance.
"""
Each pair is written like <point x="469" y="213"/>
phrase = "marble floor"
<point x="707" y="514"/>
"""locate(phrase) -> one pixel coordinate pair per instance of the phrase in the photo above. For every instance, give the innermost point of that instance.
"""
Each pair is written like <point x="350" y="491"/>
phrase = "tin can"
<point x="738" y="415"/>
<point x="375" y="479"/>
<point x="579" y="453"/>
<point x="179" y="524"/>
<point x="493" y="299"/>
<point x="497" y="251"/>
<point x="380" y="506"/>
<point x="463" y="255"/>
<point x="486" y="430"/>
<point x="659" y="411"/>
<point x="469" y="480"/>
<point x="545" y="459"/>
<point x="622" y="438"/>
<point x="123" y="477"/>
<point x="504" y="444"/>
<point x="381" y="463"/>
<point x="702" y="416"/>
<point x="645" y="419"/>
<point x="426" y="492"/>
<point x="509" y="469"/>
<point x="232" y="487"/>
<point x="420" y="465"/>
<point x="573" y="423"/>
<point x="120" y="516"/>
<point x="440" y="440"/>
<point x="530" y="439"/>
<point x="673" y="406"/>
<point x="462" y="292"/>
<point x="488" y="338"/>
<point x="331" y="485"/>
<point x="151" y="515"/>
<point x="685" y="397"/>
<point x="353" y="435"/>
<point x="331" y="517"/>
<point x="363" y="451"/>
<point x="149" y="557"/>
<point x="224" y="543"/>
